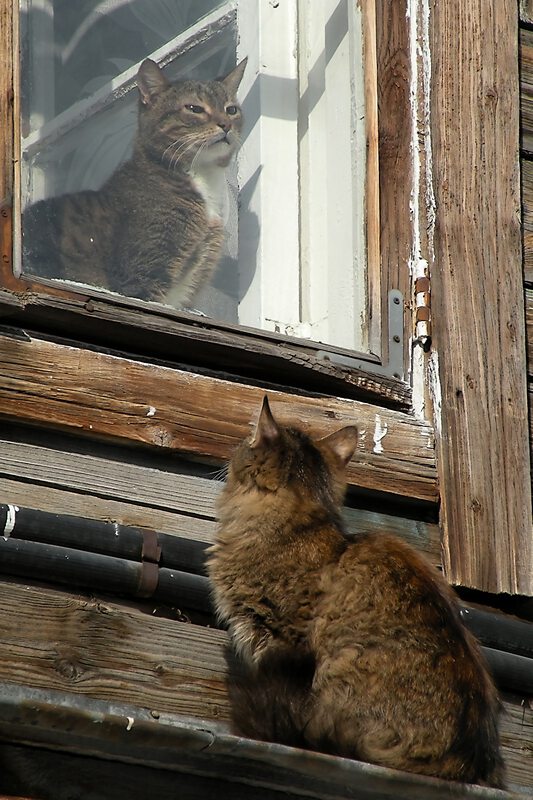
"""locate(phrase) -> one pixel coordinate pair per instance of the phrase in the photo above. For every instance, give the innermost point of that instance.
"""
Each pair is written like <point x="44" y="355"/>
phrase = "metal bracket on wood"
<point x="394" y="367"/>
<point x="151" y="555"/>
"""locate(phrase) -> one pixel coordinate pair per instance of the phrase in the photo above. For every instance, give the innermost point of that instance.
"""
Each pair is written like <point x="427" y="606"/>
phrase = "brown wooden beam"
<point x="477" y="297"/>
<point x="100" y="395"/>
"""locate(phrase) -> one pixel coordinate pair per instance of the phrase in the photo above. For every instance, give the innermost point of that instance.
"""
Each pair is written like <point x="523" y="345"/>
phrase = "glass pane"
<point x="128" y="178"/>
<point x="71" y="48"/>
<point x="82" y="58"/>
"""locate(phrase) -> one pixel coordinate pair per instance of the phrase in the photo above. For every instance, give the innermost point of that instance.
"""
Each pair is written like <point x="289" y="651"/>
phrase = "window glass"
<point x="273" y="237"/>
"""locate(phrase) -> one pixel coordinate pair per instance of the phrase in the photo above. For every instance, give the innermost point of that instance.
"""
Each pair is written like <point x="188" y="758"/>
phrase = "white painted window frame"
<point x="310" y="193"/>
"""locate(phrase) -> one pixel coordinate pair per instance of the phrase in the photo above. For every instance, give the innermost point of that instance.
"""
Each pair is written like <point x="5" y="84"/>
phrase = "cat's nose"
<point x="226" y="126"/>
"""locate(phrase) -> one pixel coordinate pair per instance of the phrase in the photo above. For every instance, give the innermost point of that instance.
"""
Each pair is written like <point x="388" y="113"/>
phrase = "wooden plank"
<point x="526" y="137"/>
<point x="526" y="89"/>
<point x="98" y="488"/>
<point x="395" y="148"/>
<point x="526" y="173"/>
<point x="108" y="651"/>
<point x="90" y="506"/>
<point x="526" y="11"/>
<point x="188" y="495"/>
<point x="517" y="735"/>
<point x="104" y="650"/>
<point x="529" y="328"/>
<point x="477" y="299"/>
<point x="526" y="134"/>
<point x="119" y="399"/>
<point x="151" y="330"/>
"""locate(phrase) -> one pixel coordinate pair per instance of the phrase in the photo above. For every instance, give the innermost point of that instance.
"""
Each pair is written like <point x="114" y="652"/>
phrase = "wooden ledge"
<point x="168" y="409"/>
<point x="198" y="751"/>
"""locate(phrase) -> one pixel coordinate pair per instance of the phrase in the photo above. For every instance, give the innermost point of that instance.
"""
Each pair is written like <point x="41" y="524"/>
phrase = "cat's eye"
<point x="231" y="110"/>
<point x="195" y="109"/>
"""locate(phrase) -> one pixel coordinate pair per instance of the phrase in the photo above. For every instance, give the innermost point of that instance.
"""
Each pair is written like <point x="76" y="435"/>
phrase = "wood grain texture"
<point x="517" y="736"/>
<point x="527" y="217"/>
<point x="529" y="330"/>
<point x="395" y="151"/>
<point x="526" y="89"/>
<point x="82" y="485"/>
<point x="526" y="10"/>
<point x="105" y="650"/>
<point x="90" y="506"/>
<point x="157" y="331"/>
<point x="109" y="651"/>
<point x="477" y="298"/>
<point x="172" y="410"/>
<point x="6" y="101"/>
<point x="526" y="139"/>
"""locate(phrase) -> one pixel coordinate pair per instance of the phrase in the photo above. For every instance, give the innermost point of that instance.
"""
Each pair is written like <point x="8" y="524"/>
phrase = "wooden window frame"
<point x="359" y="375"/>
<point x="483" y="467"/>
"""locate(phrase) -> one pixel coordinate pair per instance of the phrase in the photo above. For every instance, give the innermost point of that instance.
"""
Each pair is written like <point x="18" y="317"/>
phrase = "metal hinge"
<point x="394" y="368"/>
<point x="423" y="313"/>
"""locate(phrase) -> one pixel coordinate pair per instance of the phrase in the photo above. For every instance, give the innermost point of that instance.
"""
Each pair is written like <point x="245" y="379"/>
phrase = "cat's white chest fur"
<point x="209" y="180"/>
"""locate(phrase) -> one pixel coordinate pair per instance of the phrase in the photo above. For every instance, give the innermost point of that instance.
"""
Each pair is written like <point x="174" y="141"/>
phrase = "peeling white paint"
<point x="11" y="517"/>
<point x="151" y="411"/>
<point x="435" y="391"/>
<point x="380" y="431"/>
<point x="420" y="53"/>
<point x="418" y="13"/>
<point x="418" y="367"/>
<point x="428" y="145"/>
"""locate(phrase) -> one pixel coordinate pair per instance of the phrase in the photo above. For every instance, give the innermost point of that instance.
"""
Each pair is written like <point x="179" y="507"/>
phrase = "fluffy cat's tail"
<point x="270" y="701"/>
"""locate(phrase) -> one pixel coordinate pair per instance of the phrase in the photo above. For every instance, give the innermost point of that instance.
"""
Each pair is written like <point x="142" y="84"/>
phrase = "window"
<point x="301" y="250"/>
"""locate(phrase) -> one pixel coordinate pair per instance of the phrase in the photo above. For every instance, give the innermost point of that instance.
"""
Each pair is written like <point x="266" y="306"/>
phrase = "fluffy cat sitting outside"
<point x="154" y="230"/>
<point x="350" y="646"/>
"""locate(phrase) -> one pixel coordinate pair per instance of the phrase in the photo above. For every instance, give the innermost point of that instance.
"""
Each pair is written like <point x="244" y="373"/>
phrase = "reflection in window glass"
<point x="141" y="229"/>
<point x="128" y="177"/>
<point x="71" y="49"/>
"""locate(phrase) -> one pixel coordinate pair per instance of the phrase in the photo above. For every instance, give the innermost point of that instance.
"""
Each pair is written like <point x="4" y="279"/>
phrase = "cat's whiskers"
<point x="170" y="146"/>
<point x="197" y="155"/>
<point x="174" y="158"/>
<point x="181" y="152"/>
<point x="184" y="143"/>
<point x="220" y="474"/>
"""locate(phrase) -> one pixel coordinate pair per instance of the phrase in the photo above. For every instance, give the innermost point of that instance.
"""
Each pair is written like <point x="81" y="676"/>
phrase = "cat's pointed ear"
<point x="232" y="81"/>
<point x="343" y="442"/>
<point x="267" y="429"/>
<point x="150" y="81"/>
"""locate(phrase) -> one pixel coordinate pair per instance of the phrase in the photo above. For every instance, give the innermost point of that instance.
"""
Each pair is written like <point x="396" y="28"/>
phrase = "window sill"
<point x="153" y="331"/>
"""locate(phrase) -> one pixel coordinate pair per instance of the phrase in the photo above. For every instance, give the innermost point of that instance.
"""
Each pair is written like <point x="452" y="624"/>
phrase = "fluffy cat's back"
<point x="394" y="602"/>
<point x="421" y="695"/>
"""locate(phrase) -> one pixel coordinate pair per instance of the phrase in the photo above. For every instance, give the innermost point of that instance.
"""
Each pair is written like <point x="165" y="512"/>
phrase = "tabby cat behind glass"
<point x="154" y="230"/>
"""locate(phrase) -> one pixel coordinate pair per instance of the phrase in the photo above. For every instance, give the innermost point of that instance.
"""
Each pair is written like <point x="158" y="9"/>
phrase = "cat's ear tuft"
<point x="267" y="429"/>
<point x="343" y="442"/>
<point x="150" y="81"/>
<point x="232" y="81"/>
